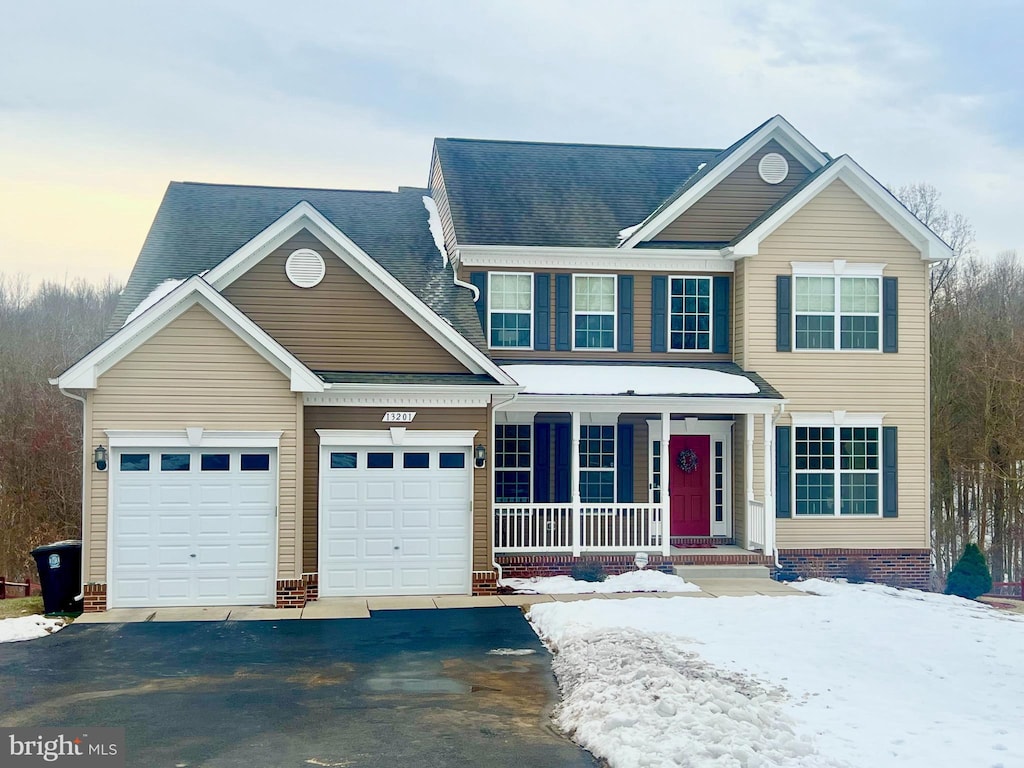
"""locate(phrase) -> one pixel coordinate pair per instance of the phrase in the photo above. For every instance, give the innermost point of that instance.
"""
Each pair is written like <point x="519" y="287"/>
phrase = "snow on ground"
<point x="859" y="675"/>
<point x="28" y="628"/>
<point x="621" y="379"/>
<point x="632" y="581"/>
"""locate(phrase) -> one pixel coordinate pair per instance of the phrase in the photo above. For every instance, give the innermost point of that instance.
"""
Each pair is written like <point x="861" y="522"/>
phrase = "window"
<point x="175" y="462"/>
<point x="453" y="461"/>
<point x="690" y="313"/>
<point x="656" y="471"/>
<point x="255" y="462"/>
<point x="512" y="462"/>
<point x="597" y="463"/>
<point x="510" y="309"/>
<point x="215" y="462"/>
<point x="593" y="307"/>
<point x="135" y="462"/>
<point x="858" y="302"/>
<point x="820" y="468"/>
<point x="343" y="460"/>
<point x="380" y="460"/>
<point x="719" y="481"/>
<point x="416" y="461"/>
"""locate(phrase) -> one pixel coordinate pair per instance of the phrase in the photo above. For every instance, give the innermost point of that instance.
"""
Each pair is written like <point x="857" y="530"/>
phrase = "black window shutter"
<point x="542" y="312"/>
<point x="890" y="314"/>
<point x="563" y="310"/>
<point x="563" y="459"/>
<point x="890" y="484"/>
<point x="624" y="460"/>
<point x="479" y="279"/>
<point x="541" y="462"/>
<point x="783" y="499"/>
<point x="720" y="321"/>
<point x="659" y="323"/>
<point x="783" y="313"/>
<point x="625" y="313"/>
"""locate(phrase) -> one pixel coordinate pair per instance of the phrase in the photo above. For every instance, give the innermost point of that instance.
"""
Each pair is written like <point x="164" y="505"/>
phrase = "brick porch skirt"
<point x="527" y="566"/>
<point x="896" y="567"/>
<point x="295" y="593"/>
<point x="94" y="598"/>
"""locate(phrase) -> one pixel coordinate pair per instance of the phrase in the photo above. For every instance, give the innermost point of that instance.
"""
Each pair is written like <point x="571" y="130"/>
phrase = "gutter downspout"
<point x="775" y="543"/>
<point x="511" y="399"/>
<point x="85" y="464"/>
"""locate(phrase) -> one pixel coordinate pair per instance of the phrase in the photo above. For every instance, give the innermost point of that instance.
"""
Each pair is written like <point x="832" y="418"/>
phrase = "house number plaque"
<point x="398" y="417"/>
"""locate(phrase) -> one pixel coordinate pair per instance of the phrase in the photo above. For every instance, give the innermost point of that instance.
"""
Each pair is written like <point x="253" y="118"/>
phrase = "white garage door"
<point x="192" y="527"/>
<point x="394" y="521"/>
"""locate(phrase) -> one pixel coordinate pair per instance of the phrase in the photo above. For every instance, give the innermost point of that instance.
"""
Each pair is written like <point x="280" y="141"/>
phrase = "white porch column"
<point x="666" y="508"/>
<point x="748" y="467"/>
<point x="769" y="484"/>
<point x="574" y="482"/>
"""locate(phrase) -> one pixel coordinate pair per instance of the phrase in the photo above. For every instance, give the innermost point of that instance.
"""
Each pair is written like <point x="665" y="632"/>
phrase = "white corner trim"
<point x="778" y="128"/>
<point x="836" y="419"/>
<point x="838" y="267"/>
<point x="384" y="437"/>
<point x="180" y="438"/>
<point x="498" y="257"/>
<point x="865" y="186"/>
<point x="195" y="290"/>
<point x="305" y="216"/>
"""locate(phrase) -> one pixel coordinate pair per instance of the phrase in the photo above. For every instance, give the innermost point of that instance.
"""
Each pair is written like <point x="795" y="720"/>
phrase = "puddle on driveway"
<point x="416" y="685"/>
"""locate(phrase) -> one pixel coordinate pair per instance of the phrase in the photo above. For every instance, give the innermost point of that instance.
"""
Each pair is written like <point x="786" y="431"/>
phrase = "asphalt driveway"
<point x="403" y="688"/>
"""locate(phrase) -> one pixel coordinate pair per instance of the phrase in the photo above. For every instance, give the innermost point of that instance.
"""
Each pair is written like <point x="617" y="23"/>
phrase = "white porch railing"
<point x="569" y="528"/>
<point x="757" y="526"/>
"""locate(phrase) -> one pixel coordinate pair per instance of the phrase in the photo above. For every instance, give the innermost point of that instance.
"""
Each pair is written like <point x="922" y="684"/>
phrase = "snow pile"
<point x="28" y="628"/>
<point x="632" y="581"/>
<point x="625" y="234"/>
<point x="434" y="222"/>
<point x="872" y="676"/>
<point x="154" y="296"/>
<point x="625" y="379"/>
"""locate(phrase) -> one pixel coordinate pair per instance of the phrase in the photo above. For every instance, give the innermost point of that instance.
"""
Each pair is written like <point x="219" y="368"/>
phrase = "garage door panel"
<point x="425" y="511"/>
<point x="137" y="556"/>
<point x="252" y="555"/>
<point x="134" y="494"/>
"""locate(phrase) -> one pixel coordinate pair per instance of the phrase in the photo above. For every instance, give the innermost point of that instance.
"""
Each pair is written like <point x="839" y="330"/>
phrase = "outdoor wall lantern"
<point x="480" y="456"/>
<point x="99" y="457"/>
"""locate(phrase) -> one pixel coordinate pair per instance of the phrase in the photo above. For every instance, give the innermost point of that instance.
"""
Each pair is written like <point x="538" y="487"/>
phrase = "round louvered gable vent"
<point x="773" y="168"/>
<point x="305" y="268"/>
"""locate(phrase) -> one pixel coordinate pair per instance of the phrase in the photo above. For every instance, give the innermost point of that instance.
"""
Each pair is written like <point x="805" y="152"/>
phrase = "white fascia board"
<point x="85" y="373"/>
<point x="410" y="436"/>
<point x="778" y="128"/>
<point x="305" y="216"/>
<point x="866" y="187"/>
<point x="646" y="404"/>
<point x="537" y="257"/>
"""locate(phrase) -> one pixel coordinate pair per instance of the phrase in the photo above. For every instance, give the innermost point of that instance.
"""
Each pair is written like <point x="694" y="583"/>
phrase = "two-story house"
<point x="555" y="351"/>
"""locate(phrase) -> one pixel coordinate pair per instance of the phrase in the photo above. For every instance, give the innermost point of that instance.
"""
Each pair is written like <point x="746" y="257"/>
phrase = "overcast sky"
<point x="103" y="103"/>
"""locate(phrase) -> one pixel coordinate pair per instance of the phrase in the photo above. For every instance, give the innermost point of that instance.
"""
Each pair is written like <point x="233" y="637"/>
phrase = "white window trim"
<point x="614" y="468"/>
<point x="192" y="437"/>
<point x="365" y="438"/>
<point x="529" y="470"/>
<point x="711" y="314"/>
<point x="490" y="308"/>
<point x="836" y="270"/>
<point x="838" y="420"/>
<point x="614" y="313"/>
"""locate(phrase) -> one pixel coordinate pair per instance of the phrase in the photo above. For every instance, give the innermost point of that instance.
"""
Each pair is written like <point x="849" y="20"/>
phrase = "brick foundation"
<point x="485" y="582"/>
<point x="295" y="593"/>
<point x="94" y="598"/>
<point x="527" y="566"/>
<point x="896" y="567"/>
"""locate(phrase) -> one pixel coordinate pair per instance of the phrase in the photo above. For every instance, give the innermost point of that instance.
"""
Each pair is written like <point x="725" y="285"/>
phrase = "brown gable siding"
<point x="324" y="417"/>
<point x="342" y="324"/>
<point x="730" y="207"/>
<point x="440" y="195"/>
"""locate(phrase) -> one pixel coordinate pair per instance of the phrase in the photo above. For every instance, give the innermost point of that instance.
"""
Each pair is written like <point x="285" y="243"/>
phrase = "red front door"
<point x="690" y="492"/>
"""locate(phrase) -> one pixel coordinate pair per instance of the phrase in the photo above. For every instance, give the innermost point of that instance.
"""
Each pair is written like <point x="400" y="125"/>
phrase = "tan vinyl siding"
<point x="440" y="195"/>
<point x="641" y="328"/>
<point x="342" y="324"/>
<point x="194" y="372"/>
<point x="739" y="319"/>
<point x="324" y="417"/>
<point x="837" y="224"/>
<point x="733" y="204"/>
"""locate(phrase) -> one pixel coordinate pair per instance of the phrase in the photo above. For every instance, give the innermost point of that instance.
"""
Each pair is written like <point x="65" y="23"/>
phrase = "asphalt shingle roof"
<point x="525" y="193"/>
<point x="198" y="225"/>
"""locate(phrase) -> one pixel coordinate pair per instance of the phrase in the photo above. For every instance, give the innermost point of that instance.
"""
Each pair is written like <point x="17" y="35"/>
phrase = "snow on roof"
<point x="624" y="379"/>
<point x="625" y="234"/>
<point x="154" y="296"/>
<point x="434" y="222"/>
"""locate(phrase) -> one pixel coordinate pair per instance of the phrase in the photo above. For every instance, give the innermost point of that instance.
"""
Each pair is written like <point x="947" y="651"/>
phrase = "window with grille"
<point x="837" y="312"/>
<point x="597" y="463"/>
<point x="512" y="463"/>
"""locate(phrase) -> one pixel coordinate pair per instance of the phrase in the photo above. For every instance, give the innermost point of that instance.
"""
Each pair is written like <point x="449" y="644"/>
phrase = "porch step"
<point x="698" y="572"/>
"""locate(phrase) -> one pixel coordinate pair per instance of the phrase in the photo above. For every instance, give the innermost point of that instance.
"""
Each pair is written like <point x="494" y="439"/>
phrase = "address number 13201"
<point x="398" y="417"/>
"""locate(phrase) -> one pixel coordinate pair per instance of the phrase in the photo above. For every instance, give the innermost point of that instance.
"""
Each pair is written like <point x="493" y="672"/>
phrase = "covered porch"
<point x="620" y="473"/>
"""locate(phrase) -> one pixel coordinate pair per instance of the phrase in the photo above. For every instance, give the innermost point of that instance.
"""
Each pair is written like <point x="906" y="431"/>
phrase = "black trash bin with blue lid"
<point x="60" y="575"/>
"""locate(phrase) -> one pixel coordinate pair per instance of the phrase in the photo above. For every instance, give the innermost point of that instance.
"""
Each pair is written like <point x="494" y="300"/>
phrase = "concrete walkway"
<point x="361" y="607"/>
